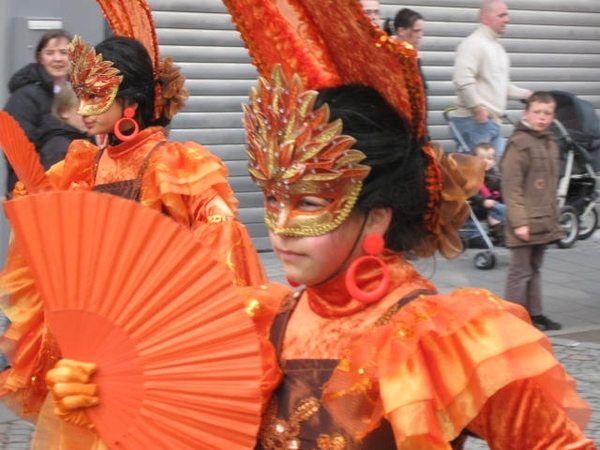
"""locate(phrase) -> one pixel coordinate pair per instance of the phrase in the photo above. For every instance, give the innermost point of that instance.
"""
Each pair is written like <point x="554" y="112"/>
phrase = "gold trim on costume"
<point x="95" y="81"/>
<point x="295" y="152"/>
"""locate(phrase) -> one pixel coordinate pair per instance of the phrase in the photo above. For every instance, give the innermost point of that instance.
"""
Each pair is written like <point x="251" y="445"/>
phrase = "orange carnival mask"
<point x="95" y="81"/>
<point x="295" y="153"/>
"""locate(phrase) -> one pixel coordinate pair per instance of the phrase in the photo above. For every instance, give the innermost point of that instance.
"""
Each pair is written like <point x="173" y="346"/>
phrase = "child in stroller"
<point x="487" y="203"/>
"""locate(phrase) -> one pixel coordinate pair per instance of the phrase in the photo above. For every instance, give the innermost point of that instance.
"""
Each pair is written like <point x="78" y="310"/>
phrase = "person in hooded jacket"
<point x="32" y="88"/>
<point x="530" y="172"/>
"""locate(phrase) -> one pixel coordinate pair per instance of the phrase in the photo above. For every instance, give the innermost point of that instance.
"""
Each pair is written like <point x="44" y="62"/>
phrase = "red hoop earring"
<point x="128" y="114"/>
<point x="372" y="244"/>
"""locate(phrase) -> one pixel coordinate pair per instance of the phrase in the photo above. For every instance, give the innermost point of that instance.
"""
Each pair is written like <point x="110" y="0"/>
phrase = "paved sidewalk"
<point x="571" y="287"/>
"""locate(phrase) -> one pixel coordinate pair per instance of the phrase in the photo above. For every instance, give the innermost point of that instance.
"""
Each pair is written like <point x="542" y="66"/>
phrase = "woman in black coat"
<point x="32" y="88"/>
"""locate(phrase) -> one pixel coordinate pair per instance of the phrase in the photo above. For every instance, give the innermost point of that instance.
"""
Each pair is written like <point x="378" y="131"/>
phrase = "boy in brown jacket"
<point x="529" y="171"/>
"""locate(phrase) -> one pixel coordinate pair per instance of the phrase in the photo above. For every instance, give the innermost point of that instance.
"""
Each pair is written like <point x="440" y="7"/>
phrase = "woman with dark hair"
<point x="371" y="355"/>
<point x="129" y="101"/>
<point x="408" y="26"/>
<point x="32" y="88"/>
<point x="126" y="97"/>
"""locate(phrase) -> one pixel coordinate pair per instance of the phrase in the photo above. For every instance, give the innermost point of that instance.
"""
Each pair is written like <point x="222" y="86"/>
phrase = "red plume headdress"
<point x="133" y="18"/>
<point x="330" y="43"/>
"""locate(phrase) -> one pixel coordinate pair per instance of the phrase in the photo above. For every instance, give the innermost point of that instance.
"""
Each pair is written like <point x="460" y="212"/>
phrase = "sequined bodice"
<point x="296" y="417"/>
<point x="129" y="189"/>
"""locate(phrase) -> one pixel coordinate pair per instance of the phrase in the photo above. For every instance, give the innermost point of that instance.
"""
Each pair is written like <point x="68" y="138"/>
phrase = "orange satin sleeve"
<point x="190" y="184"/>
<point x="187" y="182"/>
<point x="179" y="171"/>
<point x="76" y="171"/>
<point x="521" y="416"/>
<point x="27" y="344"/>
<point x="217" y="228"/>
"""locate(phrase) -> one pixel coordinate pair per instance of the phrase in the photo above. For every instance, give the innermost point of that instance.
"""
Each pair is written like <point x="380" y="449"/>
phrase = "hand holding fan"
<point x="131" y="291"/>
<point x="22" y="156"/>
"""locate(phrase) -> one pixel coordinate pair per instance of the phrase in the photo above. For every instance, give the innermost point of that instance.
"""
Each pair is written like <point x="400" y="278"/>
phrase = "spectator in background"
<point x="32" y="88"/>
<point x="372" y="10"/>
<point x="487" y="203"/>
<point x="61" y="127"/>
<point x="482" y="80"/>
<point x="529" y="178"/>
<point x="408" y="27"/>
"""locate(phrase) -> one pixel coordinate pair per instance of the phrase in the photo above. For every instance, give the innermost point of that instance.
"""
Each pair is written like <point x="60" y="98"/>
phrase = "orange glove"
<point x="70" y="384"/>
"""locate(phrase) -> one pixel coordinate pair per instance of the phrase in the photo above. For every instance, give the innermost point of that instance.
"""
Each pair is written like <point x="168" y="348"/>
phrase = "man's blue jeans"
<point x="473" y="133"/>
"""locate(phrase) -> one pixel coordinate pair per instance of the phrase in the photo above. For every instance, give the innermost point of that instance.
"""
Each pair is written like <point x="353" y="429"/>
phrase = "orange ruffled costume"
<point x="416" y="377"/>
<point x="183" y="180"/>
<point x="439" y="365"/>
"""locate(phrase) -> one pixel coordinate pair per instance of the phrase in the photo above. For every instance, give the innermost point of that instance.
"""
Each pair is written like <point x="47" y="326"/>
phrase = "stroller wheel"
<point x="569" y="222"/>
<point x="588" y="224"/>
<point x="485" y="260"/>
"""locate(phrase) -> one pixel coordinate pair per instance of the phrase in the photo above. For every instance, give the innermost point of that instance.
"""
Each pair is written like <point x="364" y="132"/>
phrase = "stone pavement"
<point x="571" y="288"/>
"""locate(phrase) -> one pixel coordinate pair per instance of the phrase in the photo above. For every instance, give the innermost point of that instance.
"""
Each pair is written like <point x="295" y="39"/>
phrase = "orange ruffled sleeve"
<point x="431" y="370"/>
<point x="505" y="421"/>
<point x="189" y="183"/>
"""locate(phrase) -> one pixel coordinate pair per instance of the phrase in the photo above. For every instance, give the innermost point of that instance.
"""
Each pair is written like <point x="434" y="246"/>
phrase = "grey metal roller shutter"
<point x="553" y="45"/>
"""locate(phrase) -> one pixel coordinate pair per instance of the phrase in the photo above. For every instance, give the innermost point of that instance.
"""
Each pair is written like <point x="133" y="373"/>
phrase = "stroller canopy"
<point x="576" y="114"/>
<point x="579" y="118"/>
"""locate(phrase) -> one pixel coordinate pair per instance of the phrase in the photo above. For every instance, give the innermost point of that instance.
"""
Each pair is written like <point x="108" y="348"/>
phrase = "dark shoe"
<point x="543" y="323"/>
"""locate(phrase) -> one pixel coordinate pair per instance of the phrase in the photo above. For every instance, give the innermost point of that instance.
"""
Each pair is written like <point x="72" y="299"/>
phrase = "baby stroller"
<point x="577" y="129"/>
<point x="473" y="233"/>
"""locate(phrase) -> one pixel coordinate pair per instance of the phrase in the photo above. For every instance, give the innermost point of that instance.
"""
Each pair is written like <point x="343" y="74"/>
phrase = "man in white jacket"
<point x="482" y="80"/>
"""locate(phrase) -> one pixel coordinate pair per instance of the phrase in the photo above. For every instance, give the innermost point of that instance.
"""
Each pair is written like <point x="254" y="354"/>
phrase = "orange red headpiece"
<point x="94" y="80"/>
<point x="328" y="43"/>
<point x="297" y="153"/>
<point x="129" y="18"/>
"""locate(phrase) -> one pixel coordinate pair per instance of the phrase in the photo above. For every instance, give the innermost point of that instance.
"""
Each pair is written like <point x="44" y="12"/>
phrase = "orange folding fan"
<point x="130" y="290"/>
<point x="22" y="155"/>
